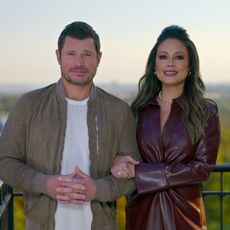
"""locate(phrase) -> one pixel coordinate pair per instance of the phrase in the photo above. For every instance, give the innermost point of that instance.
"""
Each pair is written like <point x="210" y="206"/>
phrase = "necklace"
<point x="163" y="101"/>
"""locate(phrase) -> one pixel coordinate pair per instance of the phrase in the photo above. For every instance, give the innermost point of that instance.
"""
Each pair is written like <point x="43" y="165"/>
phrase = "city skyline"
<point x="128" y="30"/>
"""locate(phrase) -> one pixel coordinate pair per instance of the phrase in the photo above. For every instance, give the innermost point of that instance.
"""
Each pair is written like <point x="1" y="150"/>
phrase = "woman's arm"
<point x="158" y="176"/>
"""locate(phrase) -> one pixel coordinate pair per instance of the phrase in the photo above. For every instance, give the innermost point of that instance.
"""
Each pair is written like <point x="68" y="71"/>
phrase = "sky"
<point x="128" y="29"/>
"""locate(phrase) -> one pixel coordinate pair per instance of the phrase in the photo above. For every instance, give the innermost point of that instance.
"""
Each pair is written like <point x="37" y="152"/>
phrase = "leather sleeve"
<point x="159" y="176"/>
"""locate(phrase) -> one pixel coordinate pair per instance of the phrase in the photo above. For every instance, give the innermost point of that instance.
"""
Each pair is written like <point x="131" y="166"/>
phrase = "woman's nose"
<point x="170" y="62"/>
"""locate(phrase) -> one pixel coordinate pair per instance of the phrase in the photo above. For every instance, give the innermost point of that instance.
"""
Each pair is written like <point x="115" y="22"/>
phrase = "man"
<point x="60" y="141"/>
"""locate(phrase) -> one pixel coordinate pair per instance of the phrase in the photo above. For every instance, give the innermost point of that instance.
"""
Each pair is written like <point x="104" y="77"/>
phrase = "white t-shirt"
<point x="75" y="153"/>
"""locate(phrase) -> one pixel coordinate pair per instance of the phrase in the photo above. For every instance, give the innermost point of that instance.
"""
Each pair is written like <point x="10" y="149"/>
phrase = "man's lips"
<point x="78" y="70"/>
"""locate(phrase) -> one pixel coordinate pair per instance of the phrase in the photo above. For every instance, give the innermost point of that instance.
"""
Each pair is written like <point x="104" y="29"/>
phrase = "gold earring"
<point x="189" y="73"/>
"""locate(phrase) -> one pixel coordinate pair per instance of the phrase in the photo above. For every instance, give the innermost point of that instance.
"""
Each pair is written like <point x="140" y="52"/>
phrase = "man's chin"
<point x="78" y="82"/>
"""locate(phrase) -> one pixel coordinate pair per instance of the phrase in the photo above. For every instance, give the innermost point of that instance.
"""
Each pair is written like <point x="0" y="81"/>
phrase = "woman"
<point x="178" y="136"/>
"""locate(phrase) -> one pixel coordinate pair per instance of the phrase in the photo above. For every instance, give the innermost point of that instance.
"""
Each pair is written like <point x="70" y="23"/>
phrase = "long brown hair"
<point x="196" y="110"/>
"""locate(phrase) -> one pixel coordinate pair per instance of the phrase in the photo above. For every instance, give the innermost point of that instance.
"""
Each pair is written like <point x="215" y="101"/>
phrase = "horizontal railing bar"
<point x="223" y="193"/>
<point x="18" y="193"/>
<point x="222" y="168"/>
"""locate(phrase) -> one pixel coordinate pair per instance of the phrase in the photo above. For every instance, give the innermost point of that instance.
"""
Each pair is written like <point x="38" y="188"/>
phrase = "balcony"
<point x="220" y="174"/>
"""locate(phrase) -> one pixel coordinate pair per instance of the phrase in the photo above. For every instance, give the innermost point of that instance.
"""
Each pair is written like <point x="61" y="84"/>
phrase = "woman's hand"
<point x="124" y="167"/>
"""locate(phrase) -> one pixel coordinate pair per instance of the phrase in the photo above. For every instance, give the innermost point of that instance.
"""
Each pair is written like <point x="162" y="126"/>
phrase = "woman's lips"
<point x="170" y="73"/>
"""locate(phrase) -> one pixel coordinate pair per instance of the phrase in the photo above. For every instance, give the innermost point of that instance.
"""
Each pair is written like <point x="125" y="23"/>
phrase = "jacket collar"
<point x="59" y="89"/>
<point x="181" y="101"/>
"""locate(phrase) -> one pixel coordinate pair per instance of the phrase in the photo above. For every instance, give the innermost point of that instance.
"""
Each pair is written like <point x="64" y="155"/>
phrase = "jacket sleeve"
<point x="159" y="176"/>
<point x="110" y="188"/>
<point x="13" y="169"/>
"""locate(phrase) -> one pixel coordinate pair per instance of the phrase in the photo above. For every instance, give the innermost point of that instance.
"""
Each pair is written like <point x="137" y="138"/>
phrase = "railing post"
<point x="6" y="207"/>
<point x="11" y="209"/>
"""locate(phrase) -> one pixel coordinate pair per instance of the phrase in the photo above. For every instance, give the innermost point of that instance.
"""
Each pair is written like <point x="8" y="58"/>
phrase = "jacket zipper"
<point x="97" y="133"/>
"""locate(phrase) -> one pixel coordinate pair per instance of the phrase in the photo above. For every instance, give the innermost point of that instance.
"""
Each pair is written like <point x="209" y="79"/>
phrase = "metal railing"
<point x="221" y="193"/>
<point x="7" y="199"/>
<point x="6" y="207"/>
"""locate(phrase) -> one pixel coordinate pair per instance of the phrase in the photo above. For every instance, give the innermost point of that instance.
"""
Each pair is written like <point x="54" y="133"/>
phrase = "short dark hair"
<point x="80" y="30"/>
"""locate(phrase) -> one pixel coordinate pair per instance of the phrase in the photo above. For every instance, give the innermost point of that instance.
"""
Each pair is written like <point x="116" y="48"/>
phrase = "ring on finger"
<point x="119" y="173"/>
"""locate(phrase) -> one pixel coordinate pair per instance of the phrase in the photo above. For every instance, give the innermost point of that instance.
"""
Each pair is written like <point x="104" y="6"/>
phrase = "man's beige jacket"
<point x="32" y="143"/>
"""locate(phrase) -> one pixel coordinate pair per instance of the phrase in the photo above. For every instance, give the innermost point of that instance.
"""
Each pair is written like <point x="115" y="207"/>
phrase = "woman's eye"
<point x="162" y="57"/>
<point x="179" y="57"/>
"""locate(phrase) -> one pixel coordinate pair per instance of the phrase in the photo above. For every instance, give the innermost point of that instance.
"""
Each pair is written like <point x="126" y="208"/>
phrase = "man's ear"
<point x="99" y="58"/>
<point x="58" y="56"/>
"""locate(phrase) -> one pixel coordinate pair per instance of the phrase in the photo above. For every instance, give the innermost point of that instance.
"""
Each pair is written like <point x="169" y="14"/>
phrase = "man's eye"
<point x="70" y="53"/>
<point x="87" y="54"/>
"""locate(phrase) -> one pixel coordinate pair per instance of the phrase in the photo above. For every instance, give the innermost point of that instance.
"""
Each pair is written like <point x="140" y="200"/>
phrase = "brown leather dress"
<point x="169" y="180"/>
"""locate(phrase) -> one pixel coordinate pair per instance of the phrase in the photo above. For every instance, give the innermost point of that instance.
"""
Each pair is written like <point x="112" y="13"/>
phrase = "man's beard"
<point x="67" y="77"/>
